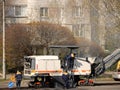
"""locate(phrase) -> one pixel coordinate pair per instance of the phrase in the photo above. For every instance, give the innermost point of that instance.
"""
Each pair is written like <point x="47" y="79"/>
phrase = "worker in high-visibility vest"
<point x="118" y="66"/>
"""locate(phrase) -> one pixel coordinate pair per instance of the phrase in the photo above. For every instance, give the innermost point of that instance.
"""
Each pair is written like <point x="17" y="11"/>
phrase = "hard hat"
<point x="72" y="55"/>
<point x="18" y="72"/>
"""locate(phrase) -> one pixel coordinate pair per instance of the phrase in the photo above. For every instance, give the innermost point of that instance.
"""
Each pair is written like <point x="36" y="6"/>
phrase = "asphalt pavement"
<point x="99" y="85"/>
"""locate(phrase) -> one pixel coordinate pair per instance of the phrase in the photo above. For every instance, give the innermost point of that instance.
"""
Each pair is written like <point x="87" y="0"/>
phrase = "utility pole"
<point x="4" y="62"/>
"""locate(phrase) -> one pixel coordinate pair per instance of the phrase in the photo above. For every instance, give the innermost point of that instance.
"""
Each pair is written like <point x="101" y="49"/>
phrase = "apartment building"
<point x="80" y="16"/>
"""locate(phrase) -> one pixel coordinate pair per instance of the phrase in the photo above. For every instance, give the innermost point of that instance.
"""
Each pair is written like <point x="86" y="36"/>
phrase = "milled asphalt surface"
<point x="98" y="82"/>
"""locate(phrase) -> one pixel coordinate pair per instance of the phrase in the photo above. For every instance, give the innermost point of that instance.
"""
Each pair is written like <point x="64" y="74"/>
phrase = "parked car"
<point x="116" y="75"/>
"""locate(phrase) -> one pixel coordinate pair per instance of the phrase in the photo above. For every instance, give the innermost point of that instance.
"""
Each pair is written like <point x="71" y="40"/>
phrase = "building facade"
<point x="81" y="16"/>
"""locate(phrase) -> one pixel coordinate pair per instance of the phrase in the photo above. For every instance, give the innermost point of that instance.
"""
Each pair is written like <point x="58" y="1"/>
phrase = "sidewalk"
<point x="4" y="83"/>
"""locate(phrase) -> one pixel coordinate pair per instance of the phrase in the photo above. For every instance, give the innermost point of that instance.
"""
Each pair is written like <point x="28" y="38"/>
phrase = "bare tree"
<point x="109" y="22"/>
<point x="112" y="24"/>
<point x="46" y="34"/>
<point x="17" y="45"/>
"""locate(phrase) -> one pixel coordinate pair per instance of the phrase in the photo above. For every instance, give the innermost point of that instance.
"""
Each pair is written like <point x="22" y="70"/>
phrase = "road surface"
<point x="99" y="85"/>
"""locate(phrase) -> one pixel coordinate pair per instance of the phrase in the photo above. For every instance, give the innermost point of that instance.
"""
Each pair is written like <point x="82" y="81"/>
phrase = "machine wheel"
<point x="38" y="85"/>
<point x="91" y="83"/>
<point x="81" y="82"/>
<point x="84" y="83"/>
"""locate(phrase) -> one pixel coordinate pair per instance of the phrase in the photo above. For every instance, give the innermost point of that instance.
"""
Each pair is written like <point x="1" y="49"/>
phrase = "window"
<point x="16" y="11"/>
<point x="44" y="12"/>
<point x="79" y="30"/>
<point x="77" y="11"/>
<point x="82" y="31"/>
<point x="9" y="11"/>
<point x="94" y="12"/>
<point x="76" y="29"/>
<point x="20" y="10"/>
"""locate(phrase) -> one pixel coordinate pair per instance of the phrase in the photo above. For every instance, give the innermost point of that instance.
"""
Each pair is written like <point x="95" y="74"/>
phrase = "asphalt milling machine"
<point x="48" y="71"/>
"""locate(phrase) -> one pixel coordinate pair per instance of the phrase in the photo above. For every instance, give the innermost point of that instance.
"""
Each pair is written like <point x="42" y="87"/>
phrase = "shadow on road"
<point x="108" y="83"/>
